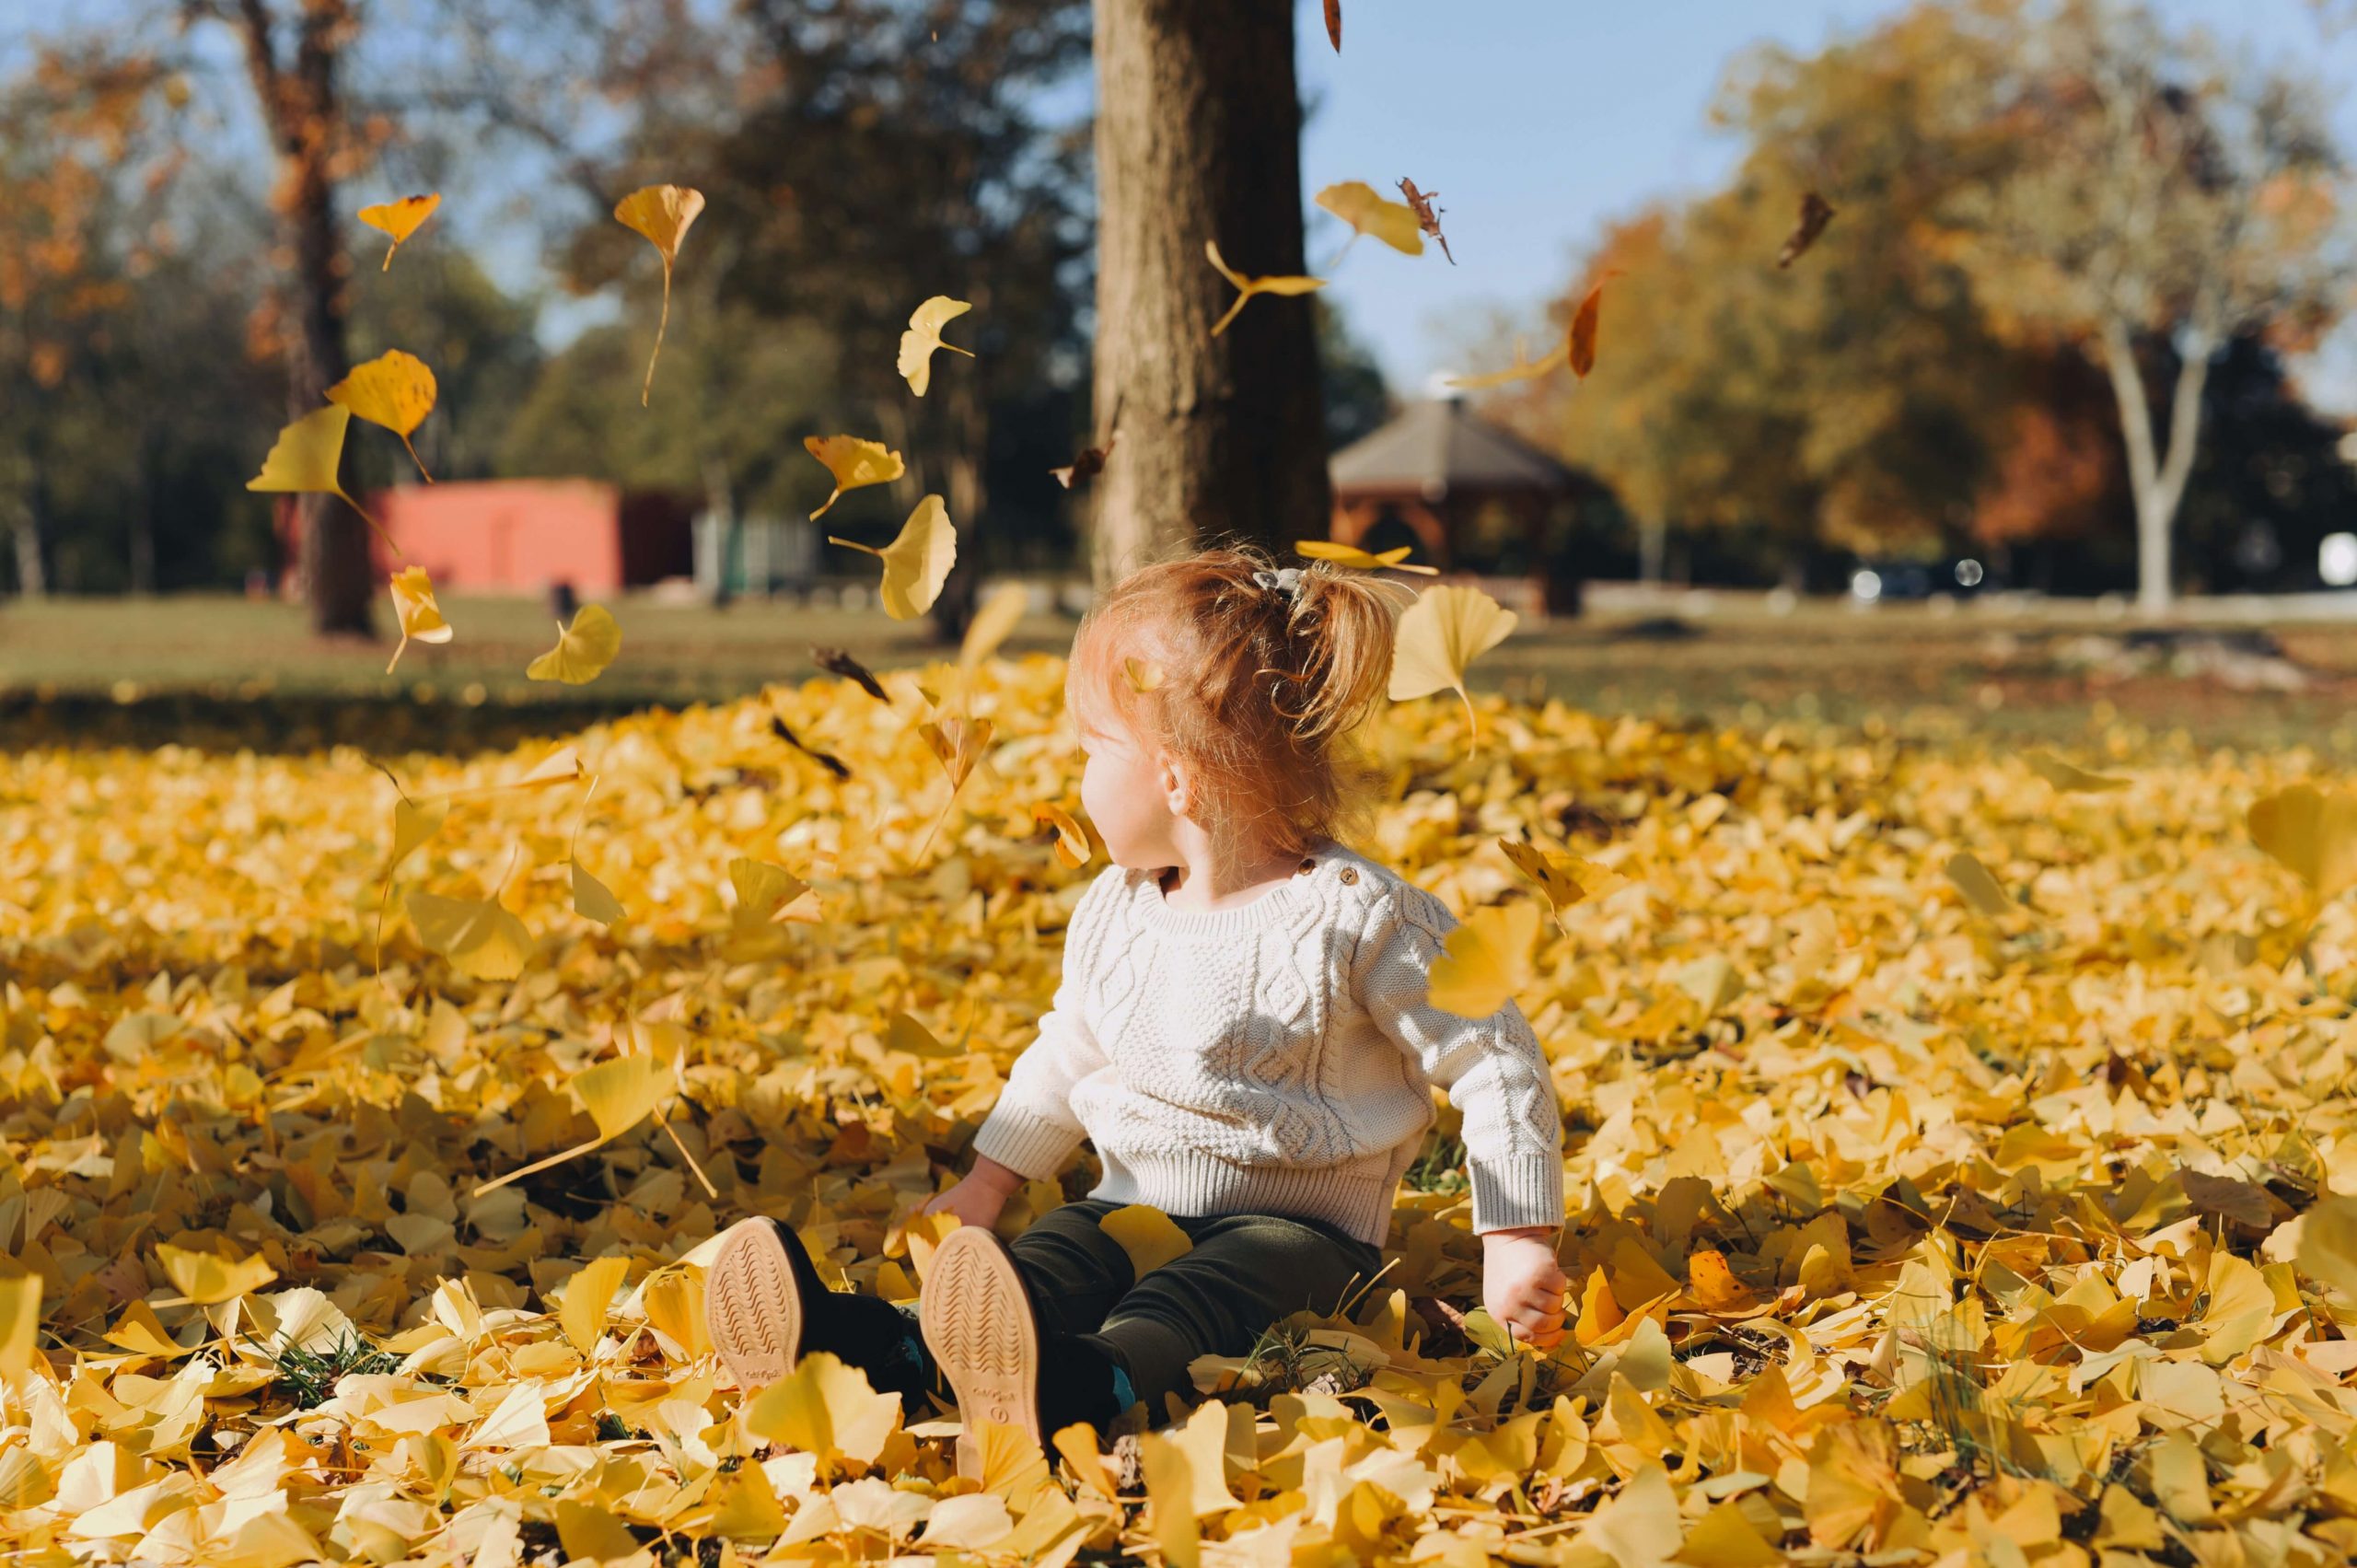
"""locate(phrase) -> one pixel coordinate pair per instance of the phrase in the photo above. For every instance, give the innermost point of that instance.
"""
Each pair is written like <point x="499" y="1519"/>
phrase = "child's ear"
<point x="1175" y="783"/>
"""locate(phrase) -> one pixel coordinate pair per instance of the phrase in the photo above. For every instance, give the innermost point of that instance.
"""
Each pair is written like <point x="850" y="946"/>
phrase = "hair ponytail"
<point x="1259" y="682"/>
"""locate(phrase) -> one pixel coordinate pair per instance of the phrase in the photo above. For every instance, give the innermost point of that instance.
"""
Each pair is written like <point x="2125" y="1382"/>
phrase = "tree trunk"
<point x="32" y="565"/>
<point x="2157" y="480"/>
<point x="299" y="106"/>
<point x="1198" y="138"/>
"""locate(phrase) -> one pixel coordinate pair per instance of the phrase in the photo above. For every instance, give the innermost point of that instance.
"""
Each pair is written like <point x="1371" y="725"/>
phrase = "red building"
<point x="521" y="535"/>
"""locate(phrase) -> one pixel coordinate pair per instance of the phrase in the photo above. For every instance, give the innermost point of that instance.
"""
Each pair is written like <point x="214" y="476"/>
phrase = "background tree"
<point x="1198" y="138"/>
<point x="2176" y="205"/>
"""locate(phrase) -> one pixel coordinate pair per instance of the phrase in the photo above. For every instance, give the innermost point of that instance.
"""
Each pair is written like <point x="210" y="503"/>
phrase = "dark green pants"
<point x="1245" y="1272"/>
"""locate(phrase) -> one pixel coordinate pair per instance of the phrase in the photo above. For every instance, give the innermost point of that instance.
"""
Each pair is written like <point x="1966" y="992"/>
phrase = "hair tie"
<point x="1286" y="580"/>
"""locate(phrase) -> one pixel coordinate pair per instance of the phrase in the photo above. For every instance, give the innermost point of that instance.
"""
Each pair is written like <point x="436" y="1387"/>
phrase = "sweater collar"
<point x="1274" y="907"/>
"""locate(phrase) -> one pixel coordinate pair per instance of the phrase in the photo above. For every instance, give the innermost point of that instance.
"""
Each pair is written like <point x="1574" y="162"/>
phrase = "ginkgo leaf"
<point x="1394" y="560"/>
<point x="2064" y="776"/>
<point x="207" y="1278"/>
<point x="621" y="1093"/>
<point x="2313" y="832"/>
<point x="1442" y="633"/>
<point x="588" y="1295"/>
<point x="1979" y="888"/>
<point x="479" y="938"/>
<point x="399" y="219"/>
<point x="1553" y="875"/>
<point x="19" y="1324"/>
<point x="592" y="900"/>
<point x="1520" y="371"/>
<point x="1072" y="850"/>
<point x="853" y="462"/>
<point x="1579" y="350"/>
<point x="1714" y="1285"/>
<point x="1150" y="1236"/>
<point x="924" y="336"/>
<point x="994" y="622"/>
<point x="917" y="561"/>
<point x="1248" y="287"/>
<point x="414" y="821"/>
<point x="827" y="1409"/>
<point x="2327" y="1250"/>
<point x="663" y="213"/>
<point x="1485" y="960"/>
<point x="905" y="1033"/>
<point x="1143" y="675"/>
<point x="762" y="890"/>
<point x="957" y="744"/>
<point x="583" y="649"/>
<point x="394" y="389"/>
<point x="305" y="459"/>
<point x="1359" y="205"/>
<point x="421" y="618"/>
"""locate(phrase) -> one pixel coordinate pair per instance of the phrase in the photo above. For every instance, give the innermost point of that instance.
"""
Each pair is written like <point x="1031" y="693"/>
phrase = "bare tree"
<point x="1198" y="138"/>
<point x="2178" y="203"/>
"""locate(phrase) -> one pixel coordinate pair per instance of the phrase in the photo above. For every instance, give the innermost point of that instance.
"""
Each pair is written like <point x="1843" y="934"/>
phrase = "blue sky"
<point x="1539" y="121"/>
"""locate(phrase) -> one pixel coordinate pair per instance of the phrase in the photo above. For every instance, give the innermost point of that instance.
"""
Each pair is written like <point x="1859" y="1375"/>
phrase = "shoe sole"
<point x="984" y="1338"/>
<point x="753" y="1309"/>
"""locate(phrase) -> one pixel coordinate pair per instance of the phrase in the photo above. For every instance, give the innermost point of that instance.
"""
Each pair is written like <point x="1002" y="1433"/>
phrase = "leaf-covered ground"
<point x="1905" y="1233"/>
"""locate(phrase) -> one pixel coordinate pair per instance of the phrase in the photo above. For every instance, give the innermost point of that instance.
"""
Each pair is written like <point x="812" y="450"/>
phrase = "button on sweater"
<point x="1277" y="1058"/>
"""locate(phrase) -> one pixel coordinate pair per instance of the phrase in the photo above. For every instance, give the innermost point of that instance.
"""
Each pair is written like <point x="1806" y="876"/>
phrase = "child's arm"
<point x="1031" y="1130"/>
<point x="1498" y="1077"/>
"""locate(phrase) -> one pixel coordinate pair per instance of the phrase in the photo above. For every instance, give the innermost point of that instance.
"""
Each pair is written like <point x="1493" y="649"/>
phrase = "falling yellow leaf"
<point x="992" y="624"/>
<point x="587" y="1295"/>
<point x="1980" y="886"/>
<point x="1394" y="560"/>
<point x="481" y="939"/>
<point x="1553" y="875"/>
<point x="1520" y="371"/>
<point x="592" y="900"/>
<point x="1150" y="1236"/>
<point x="20" y="1325"/>
<point x="421" y="618"/>
<point x="663" y="213"/>
<point x="414" y="821"/>
<point x="2312" y="831"/>
<point x="621" y="1093"/>
<point x="399" y="219"/>
<point x="853" y="462"/>
<point x="2064" y="776"/>
<point x="1246" y="287"/>
<point x="762" y="891"/>
<point x="1072" y="850"/>
<point x="1357" y="203"/>
<point x="924" y="336"/>
<point x="1143" y="675"/>
<point x="1486" y="961"/>
<point x="583" y="649"/>
<point x="394" y="389"/>
<point x="207" y="1278"/>
<point x="305" y="459"/>
<point x="917" y="561"/>
<point x="1444" y="630"/>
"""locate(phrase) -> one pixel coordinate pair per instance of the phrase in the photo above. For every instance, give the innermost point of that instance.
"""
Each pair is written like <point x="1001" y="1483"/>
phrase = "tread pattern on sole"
<point x="979" y="1324"/>
<point x="752" y="1307"/>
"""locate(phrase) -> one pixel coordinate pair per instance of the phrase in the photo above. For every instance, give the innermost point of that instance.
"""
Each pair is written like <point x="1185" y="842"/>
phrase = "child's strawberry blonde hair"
<point x="1256" y="681"/>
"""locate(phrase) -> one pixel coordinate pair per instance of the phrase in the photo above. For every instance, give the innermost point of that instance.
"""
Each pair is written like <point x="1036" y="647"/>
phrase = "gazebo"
<point x="1433" y="470"/>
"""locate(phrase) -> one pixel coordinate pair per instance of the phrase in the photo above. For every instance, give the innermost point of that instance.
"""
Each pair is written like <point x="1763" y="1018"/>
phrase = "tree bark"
<point x="1198" y="138"/>
<point x="2156" y="477"/>
<point x="299" y="106"/>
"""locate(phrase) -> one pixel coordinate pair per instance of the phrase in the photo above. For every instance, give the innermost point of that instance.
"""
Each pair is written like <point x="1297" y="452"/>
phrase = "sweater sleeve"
<point x="1031" y="1130"/>
<point x="1492" y="1068"/>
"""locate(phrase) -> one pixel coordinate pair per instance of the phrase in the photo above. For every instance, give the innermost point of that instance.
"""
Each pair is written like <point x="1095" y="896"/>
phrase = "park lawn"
<point x="210" y="670"/>
<point x="1904" y="1217"/>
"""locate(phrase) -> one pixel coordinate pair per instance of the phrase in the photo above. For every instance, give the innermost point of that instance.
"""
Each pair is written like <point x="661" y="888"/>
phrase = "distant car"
<point x="1870" y="582"/>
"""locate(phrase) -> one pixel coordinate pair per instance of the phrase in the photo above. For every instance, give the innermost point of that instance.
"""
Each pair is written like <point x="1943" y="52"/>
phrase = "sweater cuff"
<point x="1526" y="1189"/>
<point x="1032" y="1146"/>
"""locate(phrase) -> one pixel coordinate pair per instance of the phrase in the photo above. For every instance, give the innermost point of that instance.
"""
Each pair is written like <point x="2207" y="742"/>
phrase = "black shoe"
<point x="766" y="1308"/>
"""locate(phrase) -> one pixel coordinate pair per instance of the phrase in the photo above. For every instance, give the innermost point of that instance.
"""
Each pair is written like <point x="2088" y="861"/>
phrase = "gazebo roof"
<point x="1438" y="446"/>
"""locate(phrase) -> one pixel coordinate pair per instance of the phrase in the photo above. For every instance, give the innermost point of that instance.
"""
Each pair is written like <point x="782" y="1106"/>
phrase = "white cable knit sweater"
<point x="1275" y="1058"/>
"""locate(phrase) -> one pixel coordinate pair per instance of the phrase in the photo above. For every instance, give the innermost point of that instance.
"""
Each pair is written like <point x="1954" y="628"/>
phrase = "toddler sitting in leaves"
<point x="1242" y="1032"/>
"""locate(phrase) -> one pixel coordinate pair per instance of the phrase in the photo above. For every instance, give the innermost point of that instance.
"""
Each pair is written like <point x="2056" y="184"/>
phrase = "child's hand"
<point x="1522" y="1284"/>
<point x="977" y="1199"/>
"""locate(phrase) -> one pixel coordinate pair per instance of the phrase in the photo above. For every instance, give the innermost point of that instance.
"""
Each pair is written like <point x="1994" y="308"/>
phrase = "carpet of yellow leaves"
<point x="1903" y="1233"/>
